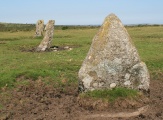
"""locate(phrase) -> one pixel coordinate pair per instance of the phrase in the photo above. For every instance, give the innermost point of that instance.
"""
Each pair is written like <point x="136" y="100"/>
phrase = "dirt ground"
<point x="37" y="101"/>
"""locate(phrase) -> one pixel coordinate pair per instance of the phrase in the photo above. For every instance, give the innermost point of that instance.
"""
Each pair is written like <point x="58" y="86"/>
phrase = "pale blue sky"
<point x="81" y="12"/>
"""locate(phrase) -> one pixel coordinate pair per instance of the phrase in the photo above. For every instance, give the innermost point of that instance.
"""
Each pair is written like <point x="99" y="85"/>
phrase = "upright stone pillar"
<point x="113" y="60"/>
<point x="46" y="42"/>
<point x="39" y="28"/>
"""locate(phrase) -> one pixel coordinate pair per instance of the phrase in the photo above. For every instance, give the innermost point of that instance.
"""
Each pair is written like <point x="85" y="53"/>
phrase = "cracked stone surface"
<point x="46" y="42"/>
<point x="113" y="59"/>
<point x="39" y="28"/>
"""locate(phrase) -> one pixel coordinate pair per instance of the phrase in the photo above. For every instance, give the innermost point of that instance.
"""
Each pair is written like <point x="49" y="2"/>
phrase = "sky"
<point x="81" y="12"/>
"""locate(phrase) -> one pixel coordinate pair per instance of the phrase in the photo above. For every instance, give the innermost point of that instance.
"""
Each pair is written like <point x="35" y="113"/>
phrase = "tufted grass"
<point x="111" y="95"/>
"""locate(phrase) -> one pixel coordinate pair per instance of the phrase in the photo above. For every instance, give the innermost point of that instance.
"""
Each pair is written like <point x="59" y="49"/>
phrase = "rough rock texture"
<point x="46" y="42"/>
<point x="113" y="60"/>
<point x="39" y="28"/>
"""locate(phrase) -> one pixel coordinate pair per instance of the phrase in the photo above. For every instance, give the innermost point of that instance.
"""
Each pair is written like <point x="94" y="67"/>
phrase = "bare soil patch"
<point x="39" y="101"/>
<point x="51" y="49"/>
<point x="119" y="105"/>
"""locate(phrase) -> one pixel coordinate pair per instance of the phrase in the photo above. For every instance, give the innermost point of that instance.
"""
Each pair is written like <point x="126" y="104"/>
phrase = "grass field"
<point x="63" y="66"/>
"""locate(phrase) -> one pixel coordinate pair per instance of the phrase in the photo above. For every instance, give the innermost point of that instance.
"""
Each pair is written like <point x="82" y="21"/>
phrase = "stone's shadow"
<point x="51" y="49"/>
<point x="59" y="48"/>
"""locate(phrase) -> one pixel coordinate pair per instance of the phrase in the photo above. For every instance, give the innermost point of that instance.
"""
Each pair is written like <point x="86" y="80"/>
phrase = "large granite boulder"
<point x="113" y="60"/>
<point x="46" y="42"/>
<point x="39" y="28"/>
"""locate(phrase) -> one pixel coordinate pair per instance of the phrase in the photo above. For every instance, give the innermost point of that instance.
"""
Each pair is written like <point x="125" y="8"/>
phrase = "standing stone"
<point x="39" y="28"/>
<point x="113" y="60"/>
<point x="46" y="42"/>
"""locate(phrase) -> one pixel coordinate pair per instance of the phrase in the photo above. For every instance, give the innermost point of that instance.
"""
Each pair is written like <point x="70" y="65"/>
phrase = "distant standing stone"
<point x="113" y="60"/>
<point x="39" y="28"/>
<point x="46" y="42"/>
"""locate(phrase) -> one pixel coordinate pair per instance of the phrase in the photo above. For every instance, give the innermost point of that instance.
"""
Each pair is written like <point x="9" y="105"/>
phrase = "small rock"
<point x="70" y="49"/>
<point x="55" y="48"/>
<point x="66" y="47"/>
<point x="113" y="85"/>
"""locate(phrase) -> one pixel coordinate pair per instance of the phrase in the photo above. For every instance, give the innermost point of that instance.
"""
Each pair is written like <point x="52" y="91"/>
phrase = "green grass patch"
<point x="111" y="95"/>
<point x="16" y="60"/>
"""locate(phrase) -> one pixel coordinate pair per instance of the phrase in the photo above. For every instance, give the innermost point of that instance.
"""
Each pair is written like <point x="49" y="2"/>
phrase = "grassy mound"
<point x="118" y="98"/>
<point x="111" y="95"/>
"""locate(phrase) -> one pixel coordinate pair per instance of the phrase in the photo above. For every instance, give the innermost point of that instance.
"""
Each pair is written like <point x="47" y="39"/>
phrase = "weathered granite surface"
<point x="39" y="28"/>
<point x="46" y="42"/>
<point x="113" y="60"/>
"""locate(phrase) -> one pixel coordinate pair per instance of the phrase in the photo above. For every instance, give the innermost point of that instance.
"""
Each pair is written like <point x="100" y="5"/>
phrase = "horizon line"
<point x="134" y="24"/>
